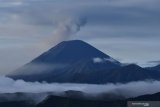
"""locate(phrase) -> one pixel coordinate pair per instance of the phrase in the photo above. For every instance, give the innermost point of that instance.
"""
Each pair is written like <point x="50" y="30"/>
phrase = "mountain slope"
<point x="69" y="52"/>
<point x="66" y="62"/>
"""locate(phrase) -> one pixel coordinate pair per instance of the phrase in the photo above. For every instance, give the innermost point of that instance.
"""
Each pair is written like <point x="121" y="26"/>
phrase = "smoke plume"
<point x="66" y="27"/>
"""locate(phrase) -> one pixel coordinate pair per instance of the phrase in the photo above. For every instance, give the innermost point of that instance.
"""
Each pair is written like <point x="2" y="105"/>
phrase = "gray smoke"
<point x="66" y="27"/>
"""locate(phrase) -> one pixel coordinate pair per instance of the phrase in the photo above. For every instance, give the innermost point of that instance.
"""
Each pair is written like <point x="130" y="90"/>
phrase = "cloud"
<point x="154" y="62"/>
<point x="98" y="60"/>
<point x="101" y="60"/>
<point x="13" y="3"/>
<point x="66" y="27"/>
<point x="132" y="89"/>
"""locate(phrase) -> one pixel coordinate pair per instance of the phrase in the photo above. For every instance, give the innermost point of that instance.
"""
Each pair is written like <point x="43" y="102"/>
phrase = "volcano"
<point x="76" y="61"/>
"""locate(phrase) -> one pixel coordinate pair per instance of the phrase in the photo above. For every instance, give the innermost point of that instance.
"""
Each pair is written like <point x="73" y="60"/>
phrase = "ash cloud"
<point x="66" y="27"/>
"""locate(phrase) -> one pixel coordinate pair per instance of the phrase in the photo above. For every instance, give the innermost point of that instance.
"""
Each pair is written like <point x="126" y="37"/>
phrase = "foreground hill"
<point x="74" y="101"/>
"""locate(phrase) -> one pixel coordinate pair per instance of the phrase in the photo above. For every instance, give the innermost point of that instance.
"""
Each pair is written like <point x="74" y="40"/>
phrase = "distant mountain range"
<point x="78" y="62"/>
<point x="155" y="68"/>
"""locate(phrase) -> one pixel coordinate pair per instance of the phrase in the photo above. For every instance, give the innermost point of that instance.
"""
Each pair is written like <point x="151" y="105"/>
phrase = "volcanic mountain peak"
<point x="78" y="62"/>
<point x="69" y="52"/>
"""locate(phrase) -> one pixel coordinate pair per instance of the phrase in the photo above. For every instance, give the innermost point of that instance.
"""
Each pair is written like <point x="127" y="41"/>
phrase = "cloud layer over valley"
<point x="133" y="89"/>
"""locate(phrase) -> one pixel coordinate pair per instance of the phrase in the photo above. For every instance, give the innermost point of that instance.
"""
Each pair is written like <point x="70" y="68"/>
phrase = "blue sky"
<point x="127" y="30"/>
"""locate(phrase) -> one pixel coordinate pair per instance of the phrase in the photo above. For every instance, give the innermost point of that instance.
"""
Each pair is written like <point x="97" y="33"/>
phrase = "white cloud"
<point x="98" y="60"/>
<point x="132" y="89"/>
<point x="13" y="3"/>
<point x="102" y="60"/>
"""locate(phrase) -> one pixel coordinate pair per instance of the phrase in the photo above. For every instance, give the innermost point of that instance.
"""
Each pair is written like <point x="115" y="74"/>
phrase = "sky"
<point x="127" y="30"/>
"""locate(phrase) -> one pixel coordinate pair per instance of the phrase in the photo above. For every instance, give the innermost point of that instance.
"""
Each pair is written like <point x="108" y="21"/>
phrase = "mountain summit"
<point x="70" y="52"/>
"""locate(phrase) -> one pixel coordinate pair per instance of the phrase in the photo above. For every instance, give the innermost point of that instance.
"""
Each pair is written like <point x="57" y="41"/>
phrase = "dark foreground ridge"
<point x="57" y="101"/>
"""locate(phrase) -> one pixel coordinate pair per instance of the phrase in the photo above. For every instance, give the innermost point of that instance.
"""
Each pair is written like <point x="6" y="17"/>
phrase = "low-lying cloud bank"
<point x="132" y="89"/>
